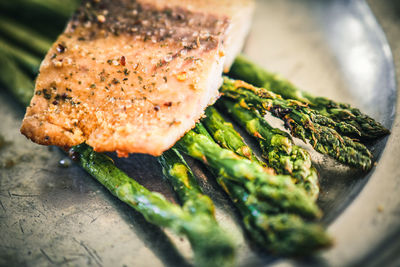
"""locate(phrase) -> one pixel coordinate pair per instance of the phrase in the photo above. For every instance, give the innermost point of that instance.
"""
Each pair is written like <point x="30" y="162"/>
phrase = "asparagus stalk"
<point x="248" y="71"/>
<point x="226" y="136"/>
<point x="184" y="183"/>
<point x="211" y="246"/>
<point x="179" y="174"/>
<point x="64" y="8"/>
<point x="25" y="36"/>
<point x="25" y="59"/>
<point x="302" y="122"/>
<point x="279" y="191"/>
<point x="60" y="10"/>
<point x="12" y="77"/>
<point x="277" y="147"/>
<point x="48" y="22"/>
<point x="276" y="232"/>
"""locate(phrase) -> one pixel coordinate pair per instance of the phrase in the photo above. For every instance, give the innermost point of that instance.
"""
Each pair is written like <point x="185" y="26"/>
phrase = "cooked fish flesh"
<point x="134" y="76"/>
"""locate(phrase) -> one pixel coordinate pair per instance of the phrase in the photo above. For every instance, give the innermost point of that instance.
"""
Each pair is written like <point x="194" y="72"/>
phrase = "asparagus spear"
<point x="280" y="191"/>
<point x="279" y="233"/>
<point x="61" y="8"/>
<point x="277" y="147"/>
<point x="183" y="181"/>
<point x="276" y="232"/>
<point x="302" y="122"/>
<point x="248" y="71"/>
<point x="179" y="174"/>
<point x="25" y="36"/>
<point x="56" y="10"/>
<point x="211" y="246"/>
<point x="47" y="17"/>
<point x="10" y="76"/>
<point x="226" y="136"/>
<point x="28" y="61"/>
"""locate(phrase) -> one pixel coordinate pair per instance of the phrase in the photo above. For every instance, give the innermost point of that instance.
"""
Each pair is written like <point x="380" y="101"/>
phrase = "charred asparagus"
<point x="274" y="231"/>
<point x="278" y="191"/>
<point x="277" y="147"/>
<point x="302" y="122"/>
<point x="248" y="71"/>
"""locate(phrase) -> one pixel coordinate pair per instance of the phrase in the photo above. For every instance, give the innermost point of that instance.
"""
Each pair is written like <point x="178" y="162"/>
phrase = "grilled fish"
<point x="134" y="76"/>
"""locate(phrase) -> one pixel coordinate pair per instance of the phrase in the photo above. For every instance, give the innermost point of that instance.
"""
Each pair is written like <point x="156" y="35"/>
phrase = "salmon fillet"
<point x="134" y="76"/>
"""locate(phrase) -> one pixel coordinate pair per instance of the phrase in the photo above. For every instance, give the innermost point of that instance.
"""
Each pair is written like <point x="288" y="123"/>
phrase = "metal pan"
<point x="53" y="216"/>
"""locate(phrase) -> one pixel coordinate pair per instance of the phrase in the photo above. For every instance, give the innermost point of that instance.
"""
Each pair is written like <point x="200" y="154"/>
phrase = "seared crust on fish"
<point x="134" y="76"/>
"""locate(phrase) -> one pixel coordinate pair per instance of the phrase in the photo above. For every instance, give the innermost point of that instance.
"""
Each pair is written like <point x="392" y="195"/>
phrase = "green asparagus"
<point x="58" y="11"/>
<point x="277" y="147"/>
<point x="279" y="190"/>
<point x="226" y="136"/>
<point x="183" y="181"/>
<point x="25" y="36"/>
<point x="302" y="122"/>
<point x="178" y="173"/>
<point x="279" y="233"/>
<point x="44" y="21"/>
<point x="25" y="59"/>
<point x="211" y="246"/>
<point x="244" y="69"/>
<point x="12" y="77"/>
<point x="274" y="231"/>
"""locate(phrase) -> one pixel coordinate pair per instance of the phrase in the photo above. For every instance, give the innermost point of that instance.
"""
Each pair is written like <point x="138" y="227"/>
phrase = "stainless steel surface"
<point x="52" y="216"/>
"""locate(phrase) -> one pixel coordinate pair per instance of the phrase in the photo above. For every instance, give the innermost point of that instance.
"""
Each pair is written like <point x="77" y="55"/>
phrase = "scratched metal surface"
<point x="53" y="216"/>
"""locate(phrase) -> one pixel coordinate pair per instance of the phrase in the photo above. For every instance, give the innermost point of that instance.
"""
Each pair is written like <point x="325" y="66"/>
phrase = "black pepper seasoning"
<point x="60" y="48"/>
